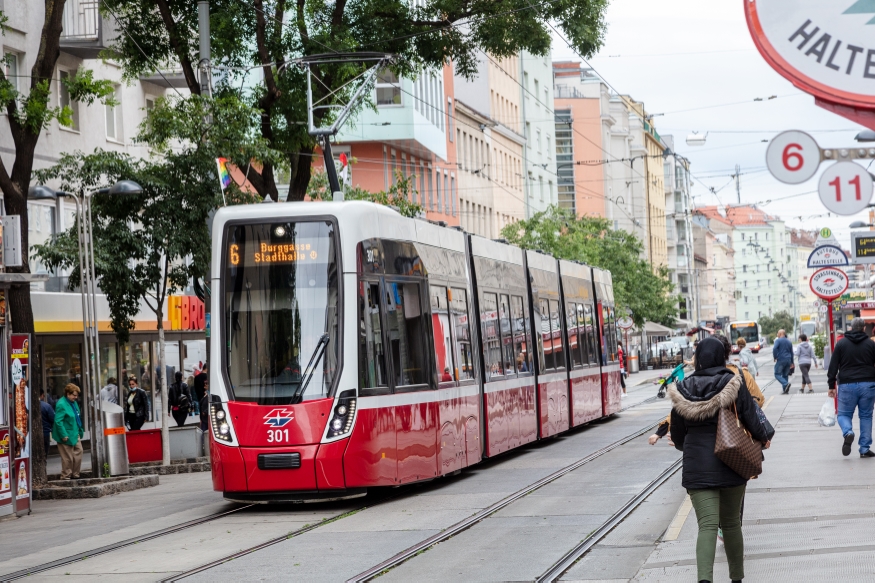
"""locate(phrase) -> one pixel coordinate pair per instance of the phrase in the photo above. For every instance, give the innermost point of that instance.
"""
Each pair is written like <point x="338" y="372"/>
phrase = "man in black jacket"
<point x="853" y="362"/>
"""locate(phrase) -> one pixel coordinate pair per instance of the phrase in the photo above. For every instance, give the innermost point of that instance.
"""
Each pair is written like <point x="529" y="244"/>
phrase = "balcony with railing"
<point x="85" y="31"/>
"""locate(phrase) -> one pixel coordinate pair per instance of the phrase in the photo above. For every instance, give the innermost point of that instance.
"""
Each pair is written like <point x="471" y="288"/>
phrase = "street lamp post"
<point x="88" y="291"/>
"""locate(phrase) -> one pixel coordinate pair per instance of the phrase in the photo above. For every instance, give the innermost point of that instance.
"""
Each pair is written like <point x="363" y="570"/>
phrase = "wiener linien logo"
<point x="862" y="7"/>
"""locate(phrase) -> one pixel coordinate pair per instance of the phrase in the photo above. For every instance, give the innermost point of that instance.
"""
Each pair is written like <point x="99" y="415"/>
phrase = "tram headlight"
<point x="344" y="414"/>
<point x="220" y="423"/>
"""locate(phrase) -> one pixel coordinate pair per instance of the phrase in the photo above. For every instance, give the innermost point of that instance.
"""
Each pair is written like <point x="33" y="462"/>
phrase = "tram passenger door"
<point x="371" y="457"/>
<point x="416" y="409"/>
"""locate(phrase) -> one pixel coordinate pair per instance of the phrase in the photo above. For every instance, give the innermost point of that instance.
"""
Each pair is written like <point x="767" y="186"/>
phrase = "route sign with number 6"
<point x="793" y="157"/>
<point x="845" y="188"/>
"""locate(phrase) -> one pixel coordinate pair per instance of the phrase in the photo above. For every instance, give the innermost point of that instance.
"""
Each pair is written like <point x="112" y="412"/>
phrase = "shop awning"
<point x="656" y="329"/>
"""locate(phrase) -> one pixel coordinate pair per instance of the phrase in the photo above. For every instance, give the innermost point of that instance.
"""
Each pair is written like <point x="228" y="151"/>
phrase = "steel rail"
<point x="115" y="546"/>
<point x="572" y="556"/>
<point x="467" y="523"/>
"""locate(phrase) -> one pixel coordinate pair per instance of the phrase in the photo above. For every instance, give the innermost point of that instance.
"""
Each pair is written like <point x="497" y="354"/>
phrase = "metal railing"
<point x="81" y="20"/>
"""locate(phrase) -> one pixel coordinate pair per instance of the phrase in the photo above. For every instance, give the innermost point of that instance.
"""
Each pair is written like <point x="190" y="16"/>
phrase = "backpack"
<point x="183" y="401"/>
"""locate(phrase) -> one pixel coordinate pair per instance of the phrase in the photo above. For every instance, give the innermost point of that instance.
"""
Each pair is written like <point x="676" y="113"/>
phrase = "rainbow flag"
<point x="224" y="174"/>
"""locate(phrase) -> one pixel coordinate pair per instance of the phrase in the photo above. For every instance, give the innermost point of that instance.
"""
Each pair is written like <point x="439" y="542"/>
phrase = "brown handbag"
<point x="735" y="447"/>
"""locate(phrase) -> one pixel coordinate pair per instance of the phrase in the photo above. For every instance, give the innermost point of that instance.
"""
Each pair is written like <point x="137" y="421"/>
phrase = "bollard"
<point x="114" y="441"/>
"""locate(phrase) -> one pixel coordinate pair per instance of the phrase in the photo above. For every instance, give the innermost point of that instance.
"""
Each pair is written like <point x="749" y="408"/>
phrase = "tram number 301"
<point x="277" y="435"/>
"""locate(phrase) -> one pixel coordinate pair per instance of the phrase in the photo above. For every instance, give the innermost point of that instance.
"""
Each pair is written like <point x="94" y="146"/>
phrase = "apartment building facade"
<point x="539" y="129"/>
<point x="57" y="345"/>
<point x="679" y="230"/>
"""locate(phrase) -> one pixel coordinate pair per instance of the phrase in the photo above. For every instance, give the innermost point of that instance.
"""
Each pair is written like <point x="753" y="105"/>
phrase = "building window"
<point x="529" y="135"/>
<point x="537" y="89"/>
<point x="549" y="147"/>
<point x="114" y="118"/>
<point x="450" y="126"/>
<point x="388" y="91"/>
<point x="541" y="187"/>
<point x="538" y="140"/>
<point x="65" y="101"/>
<point x="11" y="68"/>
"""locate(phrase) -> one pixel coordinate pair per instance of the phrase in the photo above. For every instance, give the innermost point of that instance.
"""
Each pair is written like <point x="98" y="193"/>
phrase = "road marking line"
<point x="769" y="402"/>
<point x="674" y="529"/>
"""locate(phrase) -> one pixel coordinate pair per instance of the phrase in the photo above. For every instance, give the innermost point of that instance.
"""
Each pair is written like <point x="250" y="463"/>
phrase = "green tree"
<point x="268" y="34"/>
<point x="645" y="292"/>
<point x="28" y="113"/>
<point x="783" y="320"/>
<point x="151" y="245"/>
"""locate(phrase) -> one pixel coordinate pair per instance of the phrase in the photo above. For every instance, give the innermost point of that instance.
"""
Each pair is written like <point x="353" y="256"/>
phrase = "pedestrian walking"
<point x="200" y="379"/>
<point x="782" y="352"/>
<point x="715" y="490"/>
<point x="67" y="431"/>
<point x="180" y="400"/>
<point x="135" y="405"/>
<point x="205" y="407"/>
<point x="110" y="391"/>
<point x="852" y="367"/>
<point x="47" y="413"/>
<point x="747" y="358"/>
<point x="622" y="357"/>
<point x="805" y="357"/>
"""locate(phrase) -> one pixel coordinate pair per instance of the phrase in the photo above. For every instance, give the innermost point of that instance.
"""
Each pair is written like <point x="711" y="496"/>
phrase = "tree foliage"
<point x="645" y="292"/>
<point x="267" y="35"/>
<point x="783" y="320"/>
<point x="150" y="245"/>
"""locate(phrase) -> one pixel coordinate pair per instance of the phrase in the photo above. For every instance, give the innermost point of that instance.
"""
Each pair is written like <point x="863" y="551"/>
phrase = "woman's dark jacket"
<point x="696" y="401"/>
<point x="140" y="403"/>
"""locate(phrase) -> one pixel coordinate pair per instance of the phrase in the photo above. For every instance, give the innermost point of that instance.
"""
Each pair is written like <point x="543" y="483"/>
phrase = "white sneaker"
<point x="624" y="395"/>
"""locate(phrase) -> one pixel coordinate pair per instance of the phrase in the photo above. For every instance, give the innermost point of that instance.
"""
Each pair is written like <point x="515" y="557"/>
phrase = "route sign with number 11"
<point x="845" y="188"/>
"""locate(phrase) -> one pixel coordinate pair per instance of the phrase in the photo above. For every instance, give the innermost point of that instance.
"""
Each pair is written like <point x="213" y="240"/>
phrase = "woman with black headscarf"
<point x="715" y="490"/>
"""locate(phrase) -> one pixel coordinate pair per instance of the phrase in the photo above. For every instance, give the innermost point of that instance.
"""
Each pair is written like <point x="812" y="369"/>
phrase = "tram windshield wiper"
<point x="318" y="352"/>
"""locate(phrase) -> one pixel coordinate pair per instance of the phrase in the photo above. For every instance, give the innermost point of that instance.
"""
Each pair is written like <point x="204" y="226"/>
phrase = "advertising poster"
<point x="21" y="480"/>
<point x="5" y="470"/>
<point x="19" y="353"/>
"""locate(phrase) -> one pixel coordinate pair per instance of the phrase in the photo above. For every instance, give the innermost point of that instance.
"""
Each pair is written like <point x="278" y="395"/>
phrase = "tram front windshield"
<point x="281" y="300"/>
<point x="749" y="331"/>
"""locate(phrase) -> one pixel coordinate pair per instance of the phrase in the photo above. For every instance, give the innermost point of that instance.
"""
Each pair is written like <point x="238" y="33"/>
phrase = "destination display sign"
<point x="828" y="256"/>
<point x="863" y="247"/>
<point x="270" y="254"/>
<point x="829" y="283"/>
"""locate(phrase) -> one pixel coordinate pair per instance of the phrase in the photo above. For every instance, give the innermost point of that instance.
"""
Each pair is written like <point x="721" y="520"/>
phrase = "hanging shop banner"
<point x="827" y="256"/>
<point x="823" y="48"/>
<point x="20" y="477"/>
<point x="5" y="470"/>
<point x="18" y="354"/>
<point x="829" y="283"/>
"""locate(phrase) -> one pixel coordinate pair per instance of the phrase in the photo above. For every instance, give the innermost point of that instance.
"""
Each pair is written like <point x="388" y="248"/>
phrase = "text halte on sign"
<point x="834" y="53"/>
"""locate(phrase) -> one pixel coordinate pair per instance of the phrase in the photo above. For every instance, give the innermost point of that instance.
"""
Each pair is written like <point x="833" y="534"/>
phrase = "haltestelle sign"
<point x="826" y="48"/>
<point x="827" y="256"/>
<point x="829" y="283"/>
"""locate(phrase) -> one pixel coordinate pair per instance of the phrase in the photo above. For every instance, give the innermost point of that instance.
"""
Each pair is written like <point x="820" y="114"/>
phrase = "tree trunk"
<point x="301" y="164"/>
<point x="165" y="401"/>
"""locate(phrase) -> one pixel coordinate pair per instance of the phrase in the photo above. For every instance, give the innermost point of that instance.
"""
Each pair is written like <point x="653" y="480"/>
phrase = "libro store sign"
<point x="826" y="49"/>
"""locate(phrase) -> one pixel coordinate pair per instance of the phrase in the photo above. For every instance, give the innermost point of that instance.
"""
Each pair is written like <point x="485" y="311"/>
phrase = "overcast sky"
<point x="682" y="56"/>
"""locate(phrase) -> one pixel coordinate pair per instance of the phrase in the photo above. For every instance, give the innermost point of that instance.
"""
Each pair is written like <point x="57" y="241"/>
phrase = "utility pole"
<point x="737" y="177"/>
<point x="203" y="27"/>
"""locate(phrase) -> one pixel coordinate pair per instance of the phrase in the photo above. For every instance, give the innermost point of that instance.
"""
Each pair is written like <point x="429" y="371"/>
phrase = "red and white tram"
<point x="353" y="347"/>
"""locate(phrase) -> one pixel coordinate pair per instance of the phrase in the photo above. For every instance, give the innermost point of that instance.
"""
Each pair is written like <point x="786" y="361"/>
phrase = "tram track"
<point x="48" y="566"/>
<point x="119" y="545"/>
<point x="485" y="513"/>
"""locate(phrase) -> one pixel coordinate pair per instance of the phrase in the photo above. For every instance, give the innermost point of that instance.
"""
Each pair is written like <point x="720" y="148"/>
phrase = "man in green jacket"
<point x="67" y="431"/>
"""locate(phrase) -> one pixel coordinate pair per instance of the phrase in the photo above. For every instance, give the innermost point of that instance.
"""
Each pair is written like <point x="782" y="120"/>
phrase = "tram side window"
<point x="592" y="353"/>
<point x="614" y="333"/>
<point x="406" y="330"/>
<point x="440" y="324"/>
<point x="372" y="356"/>
<point x="574" y="338"/>
<point x="547" y="335"/>
<point x="606" y="336"/>
<point x="521" y="341"/>
<point x="506" y="335"/>
<point x="556" y="326"/>
<point x="464" y="355"/>
<point x="491" y="337"/>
